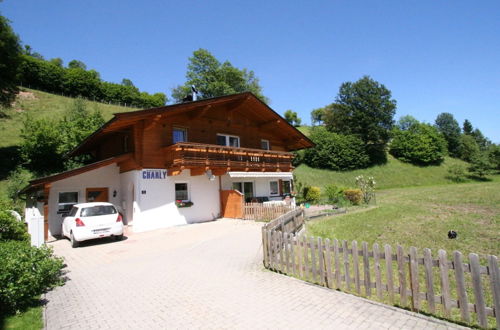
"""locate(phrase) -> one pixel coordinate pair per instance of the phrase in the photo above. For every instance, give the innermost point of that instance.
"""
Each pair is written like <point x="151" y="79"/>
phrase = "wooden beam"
<point x="198" y="113"/>
<point x="219" y="171"/>
<point x="153" y="122"/>
<point x="198" y="171"/>
<point x="174" y="171"/>
<point x="270" y="123"/>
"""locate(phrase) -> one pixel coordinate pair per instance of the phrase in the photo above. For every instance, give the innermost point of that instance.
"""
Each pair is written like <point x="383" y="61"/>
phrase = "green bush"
<point x="456" y="173"/>
<point x="26" y="272"/>
<point x="11" y="228"/>
<point x="333" y="193"/>
<point x="480" y="166"/>
<point x="420" y="144"/>
<point x="355" y="196"/>
<point x="335" y="151"/>
<point x="313" y="194"/>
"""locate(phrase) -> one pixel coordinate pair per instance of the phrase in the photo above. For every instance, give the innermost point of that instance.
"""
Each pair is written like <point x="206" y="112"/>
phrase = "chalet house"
<point x="176" y="164"/>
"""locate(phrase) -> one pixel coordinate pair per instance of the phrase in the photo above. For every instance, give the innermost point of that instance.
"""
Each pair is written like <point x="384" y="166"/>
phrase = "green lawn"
<point x="31" y="319"/>
<point x="422" y="216"/>
<point x="393" y="174"/>
<point x="42" y="105"/>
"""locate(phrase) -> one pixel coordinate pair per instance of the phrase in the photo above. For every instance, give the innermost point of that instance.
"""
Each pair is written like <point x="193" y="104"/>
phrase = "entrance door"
<point x="96" y="195"/>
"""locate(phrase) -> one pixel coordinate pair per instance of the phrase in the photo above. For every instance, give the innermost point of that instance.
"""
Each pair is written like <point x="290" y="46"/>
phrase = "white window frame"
<point x="174" y="128"/>
<point x="188" y="191"/>
<point x="277" y="186"/>
<point x="268" y="144"/>
<point x="227" y="136"/>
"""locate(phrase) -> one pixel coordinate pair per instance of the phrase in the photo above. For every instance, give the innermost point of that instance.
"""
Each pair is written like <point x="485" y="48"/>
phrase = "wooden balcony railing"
<point x="192" y="155"/>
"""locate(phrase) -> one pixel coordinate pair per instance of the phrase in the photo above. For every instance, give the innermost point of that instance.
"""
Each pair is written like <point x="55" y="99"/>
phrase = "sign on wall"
<point x="154" y="174"/>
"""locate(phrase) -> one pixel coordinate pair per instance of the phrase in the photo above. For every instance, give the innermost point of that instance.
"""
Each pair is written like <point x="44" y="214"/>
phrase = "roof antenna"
<point x="195" y="92"/>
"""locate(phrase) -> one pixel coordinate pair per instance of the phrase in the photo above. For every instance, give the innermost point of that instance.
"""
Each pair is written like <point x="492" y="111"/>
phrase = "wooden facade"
<point x="148" y="136"/>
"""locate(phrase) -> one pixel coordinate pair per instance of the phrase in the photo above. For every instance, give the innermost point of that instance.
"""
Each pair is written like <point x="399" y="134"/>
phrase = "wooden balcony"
<point x="210" y="156"/>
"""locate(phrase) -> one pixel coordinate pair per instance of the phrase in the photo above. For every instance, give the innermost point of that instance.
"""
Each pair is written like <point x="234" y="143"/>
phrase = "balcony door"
<point x="228" y="140"/>
<point x="246" y="188"/>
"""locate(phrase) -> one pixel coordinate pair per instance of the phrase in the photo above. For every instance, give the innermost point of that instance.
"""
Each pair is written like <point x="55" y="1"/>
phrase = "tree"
<point x="335" y="151"/>
<point x="127" y="82"/>
<point x="365" y="109"/>
<point x="292" y="118"/>
<point x="480" y="165"/>
<point x="420" y="144"/>
<point x="317" y="116"/>
<point x="481" y="140"/>
<point x="10" y="55"/>
<point x="75" y="64"/>
<point x="212" y="78"/>
<point x="448" y="126"/>
<point x="494" y="155"/>
<point x="468" y="148"/>
<point x="467" y="127"/>
<point x="406" y="122"/>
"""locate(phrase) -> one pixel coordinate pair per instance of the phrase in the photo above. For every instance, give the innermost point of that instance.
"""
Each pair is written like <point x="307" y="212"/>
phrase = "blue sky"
<point x="435" y="56"/>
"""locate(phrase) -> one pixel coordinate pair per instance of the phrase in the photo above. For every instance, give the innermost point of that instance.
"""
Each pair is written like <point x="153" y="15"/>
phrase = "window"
<point x="286" y="187"/>
<point x="181" y="192"/>
<point x="273" y="188"/>
<point x="66" y="201"/>
<point x="179" y="135"/>
<point x="228" y="140"/>
<point x="246" y="188"/>
<point x="264" y="144"/>
<point x="95" y="211"/>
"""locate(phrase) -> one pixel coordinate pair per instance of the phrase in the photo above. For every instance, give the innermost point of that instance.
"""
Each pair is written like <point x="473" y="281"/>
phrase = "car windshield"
<point x="98" y="210"/>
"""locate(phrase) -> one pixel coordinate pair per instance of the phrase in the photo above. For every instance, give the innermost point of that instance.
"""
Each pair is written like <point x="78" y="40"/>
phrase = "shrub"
<point x="11" y="228"/>
<point x="313" y="194"/>
<point x="355" y="196"/>
<point x="26" y="272"/>
<point x="480" y="166"/>
<point x="456" y="173"/>
<point x="333" y="193"/>
<point x="468" y="149"/>
<point x="335" y="151"/>
<point x="421" y="144"/>
<point x="367" y="187"/>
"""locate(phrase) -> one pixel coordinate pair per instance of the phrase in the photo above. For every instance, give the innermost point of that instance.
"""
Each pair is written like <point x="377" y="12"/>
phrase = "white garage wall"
<point x="156" y="201"/>
<point x="107" y="176"/>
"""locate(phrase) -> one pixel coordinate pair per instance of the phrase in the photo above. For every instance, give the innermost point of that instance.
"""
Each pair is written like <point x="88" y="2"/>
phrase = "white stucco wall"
<point x="107" y="176"/>
<point x="156" y="201"/>
<point x="129" y="183"/>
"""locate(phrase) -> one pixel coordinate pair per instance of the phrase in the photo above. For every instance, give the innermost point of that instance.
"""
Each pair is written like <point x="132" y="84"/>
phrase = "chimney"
<point x="195" y="92"/>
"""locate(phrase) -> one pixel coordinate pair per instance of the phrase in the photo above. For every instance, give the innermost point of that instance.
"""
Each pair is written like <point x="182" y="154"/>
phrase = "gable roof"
<point x="265" y="114"/>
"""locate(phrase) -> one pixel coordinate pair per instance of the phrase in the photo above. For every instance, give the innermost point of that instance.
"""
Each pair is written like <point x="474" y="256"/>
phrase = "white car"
<point x="92" y="220"/>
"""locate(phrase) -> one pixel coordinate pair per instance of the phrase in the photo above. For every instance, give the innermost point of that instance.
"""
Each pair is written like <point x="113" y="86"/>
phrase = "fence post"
<point x="414" y="285"/>
<point x="366" y="265"/>
<point x="429" y="280"/>
<point x="402" y="274"/>
<point x="328" y="264"/>
<point x="445" y="285"/>
<point x="478" y="289"/>
<point x="495" y="285"/>
<point x="389" y="272"/>
<point x="461" y="289"/>
<point x="355" y="266"/>
<point x="346" y="265"/>
<point x="336" y="255"/>
<point x="378" y="279"/>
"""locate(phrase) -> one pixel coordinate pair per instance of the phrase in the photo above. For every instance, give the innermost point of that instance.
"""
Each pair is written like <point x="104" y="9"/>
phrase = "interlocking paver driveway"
<point x="201" y="276"/>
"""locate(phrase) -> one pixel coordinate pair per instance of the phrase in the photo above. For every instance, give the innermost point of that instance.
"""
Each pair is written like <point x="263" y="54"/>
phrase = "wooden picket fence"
<point x="259" y="211"/>
<point x="423" y="283"/>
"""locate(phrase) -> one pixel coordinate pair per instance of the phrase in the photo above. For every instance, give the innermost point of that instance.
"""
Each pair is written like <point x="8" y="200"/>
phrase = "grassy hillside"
<point x="393" y="174"/>
<point x="472" y="209"/>
<point x="42" y="105"/>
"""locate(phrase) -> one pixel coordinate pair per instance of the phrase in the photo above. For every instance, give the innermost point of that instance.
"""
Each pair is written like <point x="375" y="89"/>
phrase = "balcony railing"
<point x="191" y="155"/>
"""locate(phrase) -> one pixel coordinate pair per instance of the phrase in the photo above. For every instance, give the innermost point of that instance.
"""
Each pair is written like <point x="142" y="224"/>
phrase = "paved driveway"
<point x="201" y="276"/>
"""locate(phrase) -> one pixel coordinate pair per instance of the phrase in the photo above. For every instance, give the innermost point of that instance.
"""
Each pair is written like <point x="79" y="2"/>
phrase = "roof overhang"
<point x="270" y="175"/>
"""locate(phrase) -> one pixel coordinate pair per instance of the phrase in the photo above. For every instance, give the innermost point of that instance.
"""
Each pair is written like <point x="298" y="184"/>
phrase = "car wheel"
<point x="119" y="237"/>
<point x="74" y="242"/>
